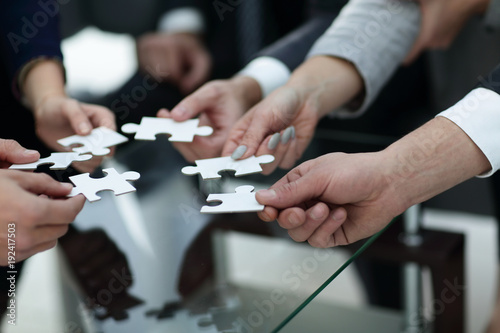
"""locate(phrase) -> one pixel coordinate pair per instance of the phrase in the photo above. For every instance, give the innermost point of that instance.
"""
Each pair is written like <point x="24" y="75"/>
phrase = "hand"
<point x="58" y="116"/>
<point x="333" y="200"/>
<point x="282" y="125"/>
<point x="442" y="21"/>
<point x="39" y="220"/>
<point x="12" y="152"/>
<point x="220" y="104"/>
<point x="182" y="56"/>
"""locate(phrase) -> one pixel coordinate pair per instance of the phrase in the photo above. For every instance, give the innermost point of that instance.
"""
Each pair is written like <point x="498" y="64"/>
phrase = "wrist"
<point x="247" y="89"/>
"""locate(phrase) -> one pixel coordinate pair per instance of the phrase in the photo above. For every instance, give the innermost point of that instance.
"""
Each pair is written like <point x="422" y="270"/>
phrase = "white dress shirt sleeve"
<point x="186" y="19"/>
<point x="478" y="115"/>
<point x="269" y="72"/>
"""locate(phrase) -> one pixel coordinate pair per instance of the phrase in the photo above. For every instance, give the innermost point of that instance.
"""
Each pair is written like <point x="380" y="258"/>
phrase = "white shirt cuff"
<point x="269" y="72"/>
<point x="185" y="19"/>
<point x="478" y="115"/>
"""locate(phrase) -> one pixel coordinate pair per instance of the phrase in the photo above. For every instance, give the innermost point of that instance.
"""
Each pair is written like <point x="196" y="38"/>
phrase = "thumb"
<point x="190" y="107"/>
<point x="79" y="121"/>
<point x="12" y="152"/>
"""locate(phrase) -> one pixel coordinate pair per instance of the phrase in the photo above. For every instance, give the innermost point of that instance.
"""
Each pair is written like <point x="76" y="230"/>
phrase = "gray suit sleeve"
<point x="375" y="36"/>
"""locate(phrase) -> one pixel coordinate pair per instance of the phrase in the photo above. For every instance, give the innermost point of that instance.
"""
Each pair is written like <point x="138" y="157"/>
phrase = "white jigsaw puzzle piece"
<point x="242" y="201"/>
<point x="60" y="161"/>
<point x="113" y="181"/>
<point x="97" y="142"/>
<point x="209" y="168"/>
<point x="179" y="131"/>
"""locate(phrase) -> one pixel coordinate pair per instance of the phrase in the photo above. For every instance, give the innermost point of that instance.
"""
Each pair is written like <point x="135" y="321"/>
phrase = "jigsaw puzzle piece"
<point x="59" y="161"/>
<point x="209" y="168"/>
<point x="97" y="142"/>
<point x="179" y="131"/>
<point x="242" y="201"/>
<point x="113" y="181"/>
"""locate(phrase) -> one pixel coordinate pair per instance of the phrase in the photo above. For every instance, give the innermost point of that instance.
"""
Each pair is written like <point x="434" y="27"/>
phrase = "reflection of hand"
<point x="219" y="105"/>
<point x="333" y="200"/>
<point x="182" y="56"/>
<point x="59" y="116"/>
<point x="12" y="152"/>
<point x="39" y="220"/>
<point x="442" y="21"/>
<point x="256" y="130"/>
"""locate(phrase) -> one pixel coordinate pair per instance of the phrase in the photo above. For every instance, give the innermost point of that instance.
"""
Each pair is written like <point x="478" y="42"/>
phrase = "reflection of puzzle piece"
<point x="60" y="161"/>
<point x="179" y="131"/>
<point x="210" y="168"/>
<point x="112" y="181"/>
<point x="97" y="142"/>
<point x="243" y="200"/>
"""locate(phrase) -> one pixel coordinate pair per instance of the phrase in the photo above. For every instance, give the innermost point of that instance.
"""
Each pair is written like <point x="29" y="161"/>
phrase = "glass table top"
<point x="150" y="262"/>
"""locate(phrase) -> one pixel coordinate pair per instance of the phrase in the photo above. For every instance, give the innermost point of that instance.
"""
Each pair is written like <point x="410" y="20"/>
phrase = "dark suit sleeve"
<point x="491" y="81"/>
<point x="28" y="31"/>
<point x="293" y="48"/>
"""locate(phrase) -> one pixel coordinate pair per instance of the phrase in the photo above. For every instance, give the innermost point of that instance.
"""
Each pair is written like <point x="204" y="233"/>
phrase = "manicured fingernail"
<point x="29" y="152"/>
<point x="293" y="220"/>
<point x="67" y="186"/>
<point x="238" y="152"/>
<point x="180" y="110"/>
<point x="273" y="142"/>
<point x="287" y="134"/>
<point x="293" y="132"/>
<point x="84" y="128"/>
<point x="267" y="194"/>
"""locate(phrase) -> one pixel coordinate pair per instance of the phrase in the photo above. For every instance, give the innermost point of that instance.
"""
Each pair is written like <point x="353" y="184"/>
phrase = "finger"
<point x="280" y="151"/>
<point x="314" y="218"/>
<point x="330" y="233"/>
<point x="78" y="119"/>
<point x="194" y="104"/>
<point x="236" y="135"/>
<point x="13" y="153"/>
<point x="292" y="218"/>
<point x="172" y="61"/>
<point x="163" y="113"/>
<point x="49" y="233"/>
<point x="40" y="183"/>
<point x="290" y="157"/>
<point x="60" y="211"/>
<point x="198" y="72"/>
<point x="37" y="249"/>
<point x="99" y="116"/>
<point x="269" y="214"/>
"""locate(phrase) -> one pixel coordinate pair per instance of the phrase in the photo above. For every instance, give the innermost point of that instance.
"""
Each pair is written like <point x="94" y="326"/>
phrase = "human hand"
<point x="182" y="56"/>
<point x="11" y="152"/>
<point x="282" y="125"/>
<point x="333" y="200"/>
<point x="58" y="116"/>
<point x="31" y="202"/>
<point x="219" y="105"/>
<point x="442" y="21"/>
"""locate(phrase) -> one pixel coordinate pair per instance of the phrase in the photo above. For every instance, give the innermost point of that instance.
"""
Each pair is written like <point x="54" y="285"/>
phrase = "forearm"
<point x="326" y="83"/>
<point x="43" y="80"/>
<point x="430" y="160"/>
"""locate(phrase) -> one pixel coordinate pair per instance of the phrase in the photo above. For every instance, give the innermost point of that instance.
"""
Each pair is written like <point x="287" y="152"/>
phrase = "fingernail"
<point x="338" y="215"/>
<point x="273" y="142"/>
<point x="264" y="217"/>
<point x="67" y="186"/>
<point x="267" y="194"/>
<point x="179" y="111"/>
<point x="293" y="220"/>
<point x="287" y="134"/>
<point x="238" y="152"/>
<point x="30" y="152"/>
<point x="316" y="213"/>
<point x="84" y="128"/>
<point x="293" y="132"/>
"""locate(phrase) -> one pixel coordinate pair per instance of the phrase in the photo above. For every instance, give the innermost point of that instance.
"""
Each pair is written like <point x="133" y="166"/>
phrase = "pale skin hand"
<point x="58" y="116"/>
<point x="442" y="20"/>
<point x="219" y="104"/>
<point x="181" y="56"/>
<point x="316" y="88"/>
<point x="39" y="220"/>
<point x="338" y="199"/>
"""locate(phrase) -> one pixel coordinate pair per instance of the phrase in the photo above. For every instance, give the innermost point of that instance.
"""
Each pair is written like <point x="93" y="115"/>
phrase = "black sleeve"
<point x="491" y="81"/>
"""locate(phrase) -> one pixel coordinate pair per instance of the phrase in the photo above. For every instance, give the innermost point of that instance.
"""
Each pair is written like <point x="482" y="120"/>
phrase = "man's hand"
<point x="219" y="105"/>
<point x="182" y="56"/>
<point x="58" y="116"/>
<point x="333" y="200"/>
<point x="442" y="20"/>
<point x="29" y="200"/>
